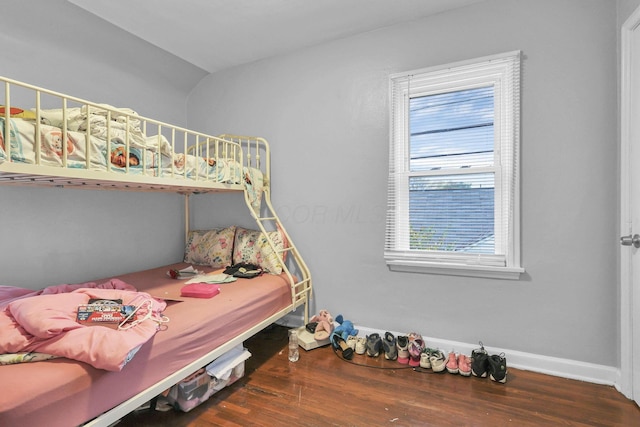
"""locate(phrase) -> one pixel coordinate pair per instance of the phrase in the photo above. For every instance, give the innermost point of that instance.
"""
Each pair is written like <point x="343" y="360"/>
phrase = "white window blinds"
<point x="453" y="195"/>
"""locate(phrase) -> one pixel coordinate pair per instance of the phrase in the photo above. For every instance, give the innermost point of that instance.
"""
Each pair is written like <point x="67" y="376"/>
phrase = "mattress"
<point x="62" y="392"/>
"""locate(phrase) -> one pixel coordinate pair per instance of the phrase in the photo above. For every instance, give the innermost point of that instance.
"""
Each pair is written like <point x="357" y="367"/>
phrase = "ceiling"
<point x="218" y="34"/>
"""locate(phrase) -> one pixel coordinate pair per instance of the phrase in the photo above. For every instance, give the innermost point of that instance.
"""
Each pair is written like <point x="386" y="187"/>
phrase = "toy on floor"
<point x="324" y="325"/>
<point x="344" y="329"/>
<point x="341" y="333"/>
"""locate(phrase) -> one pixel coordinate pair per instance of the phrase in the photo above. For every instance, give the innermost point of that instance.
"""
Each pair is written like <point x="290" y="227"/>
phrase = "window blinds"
<point x="453" y="164"/>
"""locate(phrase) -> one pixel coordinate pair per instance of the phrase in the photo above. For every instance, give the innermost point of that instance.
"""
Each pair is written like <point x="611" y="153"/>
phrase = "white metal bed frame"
<point x="248" y="151"/>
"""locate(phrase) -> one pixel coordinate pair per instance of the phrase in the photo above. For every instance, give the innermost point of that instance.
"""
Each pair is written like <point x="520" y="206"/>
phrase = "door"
<point x="630" y="209"/>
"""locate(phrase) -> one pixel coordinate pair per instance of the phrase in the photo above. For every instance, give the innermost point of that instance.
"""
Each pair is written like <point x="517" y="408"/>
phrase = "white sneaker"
<point x="351" y="342"/>
<point x="361" y="345"/>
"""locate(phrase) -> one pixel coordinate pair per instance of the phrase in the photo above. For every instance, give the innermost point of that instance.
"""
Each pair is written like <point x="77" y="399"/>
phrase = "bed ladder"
<point x="294" y="268"/>
<point x="256" y="154"/>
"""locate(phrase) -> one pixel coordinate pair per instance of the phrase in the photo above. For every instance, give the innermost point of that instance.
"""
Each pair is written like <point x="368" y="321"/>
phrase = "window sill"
<point x="507" y="273"/>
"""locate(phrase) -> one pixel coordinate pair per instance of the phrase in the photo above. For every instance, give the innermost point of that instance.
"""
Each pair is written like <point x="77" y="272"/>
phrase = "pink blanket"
<point x="45" y="322"/>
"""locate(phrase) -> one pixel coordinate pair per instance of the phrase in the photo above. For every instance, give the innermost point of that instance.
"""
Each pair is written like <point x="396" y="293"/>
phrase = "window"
<point x="453" y="196"/>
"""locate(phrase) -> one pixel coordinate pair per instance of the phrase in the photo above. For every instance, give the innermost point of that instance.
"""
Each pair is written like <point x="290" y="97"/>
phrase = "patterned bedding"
<point x="146" y="155"/>
<point x="143" y="156"/>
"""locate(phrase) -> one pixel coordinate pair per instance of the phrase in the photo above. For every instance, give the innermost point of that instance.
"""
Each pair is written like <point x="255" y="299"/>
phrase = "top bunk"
<point x="107" y="147"/>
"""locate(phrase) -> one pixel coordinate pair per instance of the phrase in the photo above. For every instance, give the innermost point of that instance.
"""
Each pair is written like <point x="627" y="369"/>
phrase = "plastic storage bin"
<point x="199" y="387"/>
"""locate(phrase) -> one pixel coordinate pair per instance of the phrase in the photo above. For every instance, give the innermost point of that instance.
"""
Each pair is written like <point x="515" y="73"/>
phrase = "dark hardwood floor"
<point x="322" y="389"/>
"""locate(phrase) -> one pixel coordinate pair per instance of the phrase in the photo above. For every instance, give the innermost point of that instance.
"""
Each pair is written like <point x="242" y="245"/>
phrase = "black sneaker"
<point x="498" y="368"/>
<point x="479" y="362"/>
<point x="374" y="344"/>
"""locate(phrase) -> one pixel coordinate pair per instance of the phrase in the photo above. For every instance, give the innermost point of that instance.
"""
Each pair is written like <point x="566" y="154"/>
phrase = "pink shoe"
<point x="452" y="363"/>
<point x="416" y="345"/>
<point x="464" y="365"/>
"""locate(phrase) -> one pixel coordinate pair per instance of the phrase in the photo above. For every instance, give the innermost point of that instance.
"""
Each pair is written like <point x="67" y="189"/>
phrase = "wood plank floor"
<point x="322" y="389"/>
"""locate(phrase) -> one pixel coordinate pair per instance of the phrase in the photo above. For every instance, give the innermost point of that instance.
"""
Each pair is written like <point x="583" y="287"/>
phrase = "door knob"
<point x="630" y="240"/>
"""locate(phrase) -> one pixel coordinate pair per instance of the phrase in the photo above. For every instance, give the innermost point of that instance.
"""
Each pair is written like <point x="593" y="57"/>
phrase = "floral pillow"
<point x="210" y="247"/>
<point x="251" y="246"/>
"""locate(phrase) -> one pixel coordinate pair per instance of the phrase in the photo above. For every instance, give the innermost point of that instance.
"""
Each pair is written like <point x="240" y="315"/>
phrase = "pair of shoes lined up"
<point x="410" y="350"/>
<point x="459" y="364"/>
<point x="433" y="359"/>
<point x="483" y="364"/>
<point x="374" y="345"/>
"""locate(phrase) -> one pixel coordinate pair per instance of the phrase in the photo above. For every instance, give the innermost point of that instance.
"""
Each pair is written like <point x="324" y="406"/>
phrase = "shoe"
<point x="416" y="345"/>
<point x="361" y="345"/>
<point x="374" y="344"/>
<point x="425" y="361"/>
<point x="351" y="342"/>
<point x="311" y="327"/>
<point x="464" y="365"/>
<point x="339" y="343"/>
<point x="389" y="346"/>
<point x="498" y="368"/>
<point x="479" y="362"/>
<point x="438" y="361"/>
<point x="402" y="343"/>
<point x="452" y="363"/>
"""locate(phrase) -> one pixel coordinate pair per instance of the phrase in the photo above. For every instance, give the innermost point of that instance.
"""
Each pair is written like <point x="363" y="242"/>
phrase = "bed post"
<point x="186" y="218"/>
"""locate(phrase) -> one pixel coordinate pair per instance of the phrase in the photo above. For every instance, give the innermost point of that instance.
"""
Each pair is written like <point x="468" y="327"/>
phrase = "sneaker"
<point x="374" y="344"/>
<point x="361" y="345"/>
<point x="351" y="342"/>
<point x="425" y="361"/>
<point x="389" y="346"/>
<point x="416" y="345"/>
<point x="452" y="363"/>
<point x="479" y="362"/>
<point x="498" y="368"/>
<point x="438" y="361"/>
<point x="402" y="343"/>
<point x="464" y="365"/>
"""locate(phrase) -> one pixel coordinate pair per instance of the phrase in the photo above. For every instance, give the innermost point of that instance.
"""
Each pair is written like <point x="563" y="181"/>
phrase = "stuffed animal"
<point x="324" y="325"/>
<point x="343" y="330"/>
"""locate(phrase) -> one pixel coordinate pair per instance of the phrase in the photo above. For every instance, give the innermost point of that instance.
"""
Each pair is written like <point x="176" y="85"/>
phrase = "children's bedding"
<point x="66" y="392"/>
<point x="51" y="146"/>
<point x="146" y="155"/>
<point x="122" y="122"/>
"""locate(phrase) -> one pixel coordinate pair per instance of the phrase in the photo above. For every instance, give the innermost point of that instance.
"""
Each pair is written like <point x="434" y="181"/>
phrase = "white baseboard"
<point x="565" y="368"/>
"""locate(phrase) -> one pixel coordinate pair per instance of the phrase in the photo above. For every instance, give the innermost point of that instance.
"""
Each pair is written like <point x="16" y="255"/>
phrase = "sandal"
<point x="338" y="342"/>
<point x="389" y="346"/>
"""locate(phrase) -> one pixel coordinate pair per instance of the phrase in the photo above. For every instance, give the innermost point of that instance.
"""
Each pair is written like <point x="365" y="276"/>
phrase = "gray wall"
<point x="325" y="111"/>
<point x="52" y="236"/>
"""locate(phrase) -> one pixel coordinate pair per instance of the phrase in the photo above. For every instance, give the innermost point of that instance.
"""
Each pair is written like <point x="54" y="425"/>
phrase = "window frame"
<point x="502" y="71"/>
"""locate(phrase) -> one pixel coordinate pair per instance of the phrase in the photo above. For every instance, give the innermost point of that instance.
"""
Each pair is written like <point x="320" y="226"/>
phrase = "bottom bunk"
<point x="65" y="392"/>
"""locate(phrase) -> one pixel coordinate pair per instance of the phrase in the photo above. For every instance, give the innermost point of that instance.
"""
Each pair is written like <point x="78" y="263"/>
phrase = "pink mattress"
<point x="62" y="392"/>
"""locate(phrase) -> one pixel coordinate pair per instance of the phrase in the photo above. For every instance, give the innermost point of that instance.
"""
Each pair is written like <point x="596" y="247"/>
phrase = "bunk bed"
<point x="64" y="141"/>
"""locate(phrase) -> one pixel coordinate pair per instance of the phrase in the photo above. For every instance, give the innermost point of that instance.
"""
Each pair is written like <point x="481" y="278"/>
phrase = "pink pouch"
<point x="200" y="290"/>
